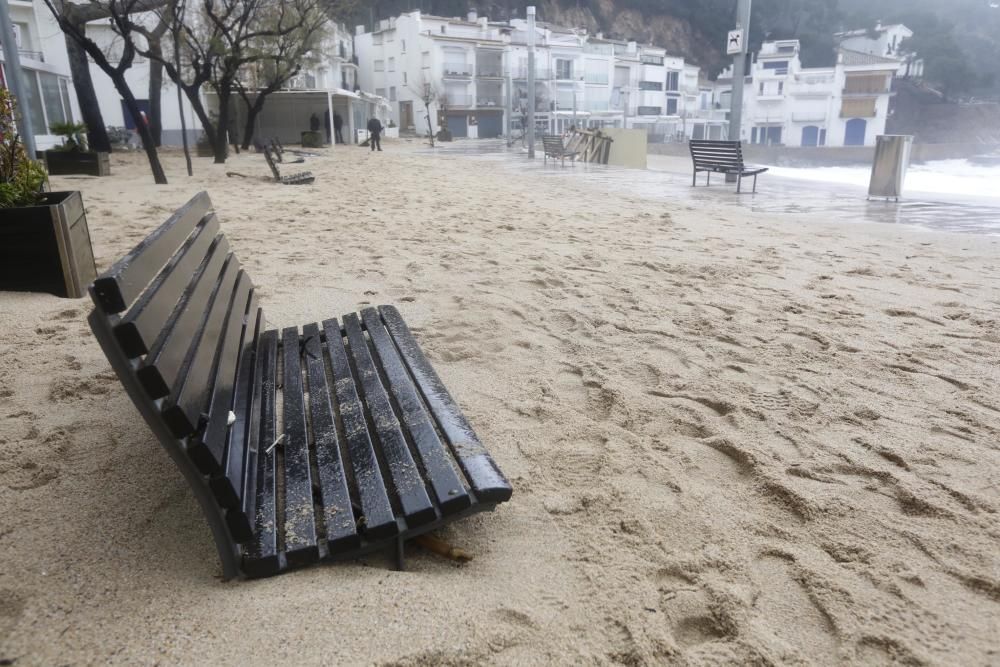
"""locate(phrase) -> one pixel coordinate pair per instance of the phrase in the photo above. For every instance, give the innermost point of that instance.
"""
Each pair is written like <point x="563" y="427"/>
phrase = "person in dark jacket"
<point x="375" y="132"/>
<point x="338" y="126"/>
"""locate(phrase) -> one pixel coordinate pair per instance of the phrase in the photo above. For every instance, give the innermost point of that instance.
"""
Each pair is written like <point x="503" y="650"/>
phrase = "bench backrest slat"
<point x="125" y="281"/>
<point x="270" y="163"/>
<point x="217" y="342"/>
<point x="163" y="364"/>
<point x="142" y="324"/>
<point x="716" y="154"/>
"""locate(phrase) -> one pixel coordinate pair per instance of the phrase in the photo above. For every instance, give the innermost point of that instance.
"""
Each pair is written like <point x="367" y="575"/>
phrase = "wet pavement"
<point x="775" y="194"/>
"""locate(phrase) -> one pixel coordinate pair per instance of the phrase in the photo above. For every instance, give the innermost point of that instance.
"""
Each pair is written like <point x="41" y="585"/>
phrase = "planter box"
<point x="46" y="248"/>
<point x="77" y="162"/>
<point x="312" y="139"/>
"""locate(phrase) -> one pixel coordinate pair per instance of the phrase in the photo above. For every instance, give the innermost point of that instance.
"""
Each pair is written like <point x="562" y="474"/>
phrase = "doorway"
<point x="406" y="115"/>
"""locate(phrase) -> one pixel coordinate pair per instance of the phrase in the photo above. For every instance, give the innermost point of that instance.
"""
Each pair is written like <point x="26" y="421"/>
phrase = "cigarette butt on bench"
<point x="442" y="548"/>
<point x="281" y="439"/>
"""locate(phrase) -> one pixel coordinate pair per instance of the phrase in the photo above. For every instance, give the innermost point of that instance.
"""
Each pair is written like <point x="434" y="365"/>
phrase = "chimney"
<point x="484" y="22"/>
<point x="473" y="16"/>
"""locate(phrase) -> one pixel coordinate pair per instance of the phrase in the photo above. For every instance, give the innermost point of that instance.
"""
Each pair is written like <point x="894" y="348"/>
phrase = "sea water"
<point x="957" y="178"/>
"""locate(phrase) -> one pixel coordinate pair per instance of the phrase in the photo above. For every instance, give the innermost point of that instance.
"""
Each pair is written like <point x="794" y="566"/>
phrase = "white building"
<point x="473" y="68"/>
<point x="45" y="65"/>
<point x="327" y="83"/>
<point x="887" y="41"/>
<point x="790" y="105"/>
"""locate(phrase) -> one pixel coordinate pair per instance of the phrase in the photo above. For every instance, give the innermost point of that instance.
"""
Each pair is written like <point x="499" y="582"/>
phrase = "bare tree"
<point x="119" y="12"/>
<point x="427" y="93"/>
<point x="280" y="59"/>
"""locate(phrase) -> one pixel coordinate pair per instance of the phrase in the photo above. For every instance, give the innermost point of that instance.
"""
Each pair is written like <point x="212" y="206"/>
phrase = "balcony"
<point x="31" y="55"/>
<point x="489" y="101"/>
<point x="456" y="71"/>
<point x="541" y="74"/>
<point x="456" y="101"/>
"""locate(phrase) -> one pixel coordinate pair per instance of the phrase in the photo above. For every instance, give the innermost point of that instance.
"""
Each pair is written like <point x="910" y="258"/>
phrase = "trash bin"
<point x="892" y="156"/>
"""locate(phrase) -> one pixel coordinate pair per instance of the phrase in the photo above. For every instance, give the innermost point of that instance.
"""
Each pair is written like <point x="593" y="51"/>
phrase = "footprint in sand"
<point x="783" y="607"/>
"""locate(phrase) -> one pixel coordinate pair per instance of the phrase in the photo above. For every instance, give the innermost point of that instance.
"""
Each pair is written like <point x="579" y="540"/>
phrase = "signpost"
<point x="737" y="46"/>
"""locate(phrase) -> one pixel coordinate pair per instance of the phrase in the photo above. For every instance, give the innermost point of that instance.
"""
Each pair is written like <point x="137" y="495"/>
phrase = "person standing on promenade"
<point x="375" y="133"/>
<point x="338" y="126"/>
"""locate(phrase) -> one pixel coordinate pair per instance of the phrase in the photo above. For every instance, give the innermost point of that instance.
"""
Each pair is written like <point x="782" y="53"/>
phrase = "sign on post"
<point x="734" y="43"/>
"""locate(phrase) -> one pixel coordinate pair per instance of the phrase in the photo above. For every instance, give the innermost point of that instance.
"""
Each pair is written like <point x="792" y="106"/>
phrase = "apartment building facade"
<point x="474" y="68"/>
<point x="45" y="65"/>
<point x="790" y="105"/>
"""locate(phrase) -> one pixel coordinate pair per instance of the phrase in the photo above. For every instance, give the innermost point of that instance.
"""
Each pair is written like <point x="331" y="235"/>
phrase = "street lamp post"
<point x="531" y="81"/>
<point x="739" y="64"/>
<point x="15" y="79"/>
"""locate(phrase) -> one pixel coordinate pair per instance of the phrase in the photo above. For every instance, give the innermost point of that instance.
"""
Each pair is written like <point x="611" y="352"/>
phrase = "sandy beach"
<point x="734" y="437"/>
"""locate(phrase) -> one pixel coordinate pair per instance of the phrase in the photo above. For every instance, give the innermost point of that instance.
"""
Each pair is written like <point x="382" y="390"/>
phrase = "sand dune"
<point x="733" y="438"/>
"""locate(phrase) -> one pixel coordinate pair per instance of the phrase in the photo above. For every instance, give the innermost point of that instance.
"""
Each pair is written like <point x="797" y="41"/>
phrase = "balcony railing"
<point x="32" y="55"/>
<point x="456" y="101"/>
<point x="541" y="74"/>
<point x="456" y="71"/>
<point x="651" y="60"/>
<point x="492" y="72"/>
<point x="489" y="100"/>
<point x="600" y="78"/>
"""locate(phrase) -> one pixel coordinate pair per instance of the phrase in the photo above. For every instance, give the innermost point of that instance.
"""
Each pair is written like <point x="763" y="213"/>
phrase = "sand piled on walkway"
<point x="732" y="438"/>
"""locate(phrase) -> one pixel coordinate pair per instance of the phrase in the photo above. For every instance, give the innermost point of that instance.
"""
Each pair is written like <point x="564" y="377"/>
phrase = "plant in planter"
<point x="44" y="239"/>
<point x="73" y="157"/>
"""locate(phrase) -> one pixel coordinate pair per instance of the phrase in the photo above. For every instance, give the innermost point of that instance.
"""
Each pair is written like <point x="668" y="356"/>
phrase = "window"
<point x="672" y="107"/>
<point x="648" y="111"/>
<point x="425" y="59"/>
<point x="380" y="92"/>
<point x="651" y="60"/>
<point x="781" y="87"/>
<point x="822" y="137"/>
<point x="779" y="66"/>
<point x="35" y="102"/>
<point x="673" y="80"/>
<point x="402" y="45"/>
<point x="650" y="85"/>
<point x="443" y="29"/>
<point x="761" y="89"/>
<point x="392" y="93"/>
<point x="564" y="69"/>
<point x="404" y="78"/>
<point x="392" y="64"/>
<point x="379" y="65"/>
<point x="52" y="98"/>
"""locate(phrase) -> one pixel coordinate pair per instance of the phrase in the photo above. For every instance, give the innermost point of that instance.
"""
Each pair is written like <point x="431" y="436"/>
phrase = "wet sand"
<point x="736" y="434"/>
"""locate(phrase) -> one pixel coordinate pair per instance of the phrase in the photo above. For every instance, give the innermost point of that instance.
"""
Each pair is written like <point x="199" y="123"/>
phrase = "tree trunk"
<point x="83" y="84"/>
<point x="253" y="110"/>
<point x="220" y="145"/>
<point x="155" y="94"/>
<point x="147" y="138"/>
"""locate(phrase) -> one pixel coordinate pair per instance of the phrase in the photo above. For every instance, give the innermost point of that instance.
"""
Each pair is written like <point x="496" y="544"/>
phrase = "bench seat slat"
<point x="139" y="328"/>
<point x="165" y="360"/>
<point x="482" y="472"/>
<point x="406" y="480"/>
<point x="338" y="515"/>
<point x="376" y="509"/>
<point x="300" y="523"/>
<point x="262" y="557"/>
<point x="449" y="491"/>
<point x="129" y="276"/>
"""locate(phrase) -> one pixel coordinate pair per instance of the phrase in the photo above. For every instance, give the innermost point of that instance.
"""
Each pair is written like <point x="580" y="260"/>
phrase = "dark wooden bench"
<point x="723" y="157"/>
<point x="369" y="450"/>
<point x="301" y="178"/>
<point x="552" y="144"/>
